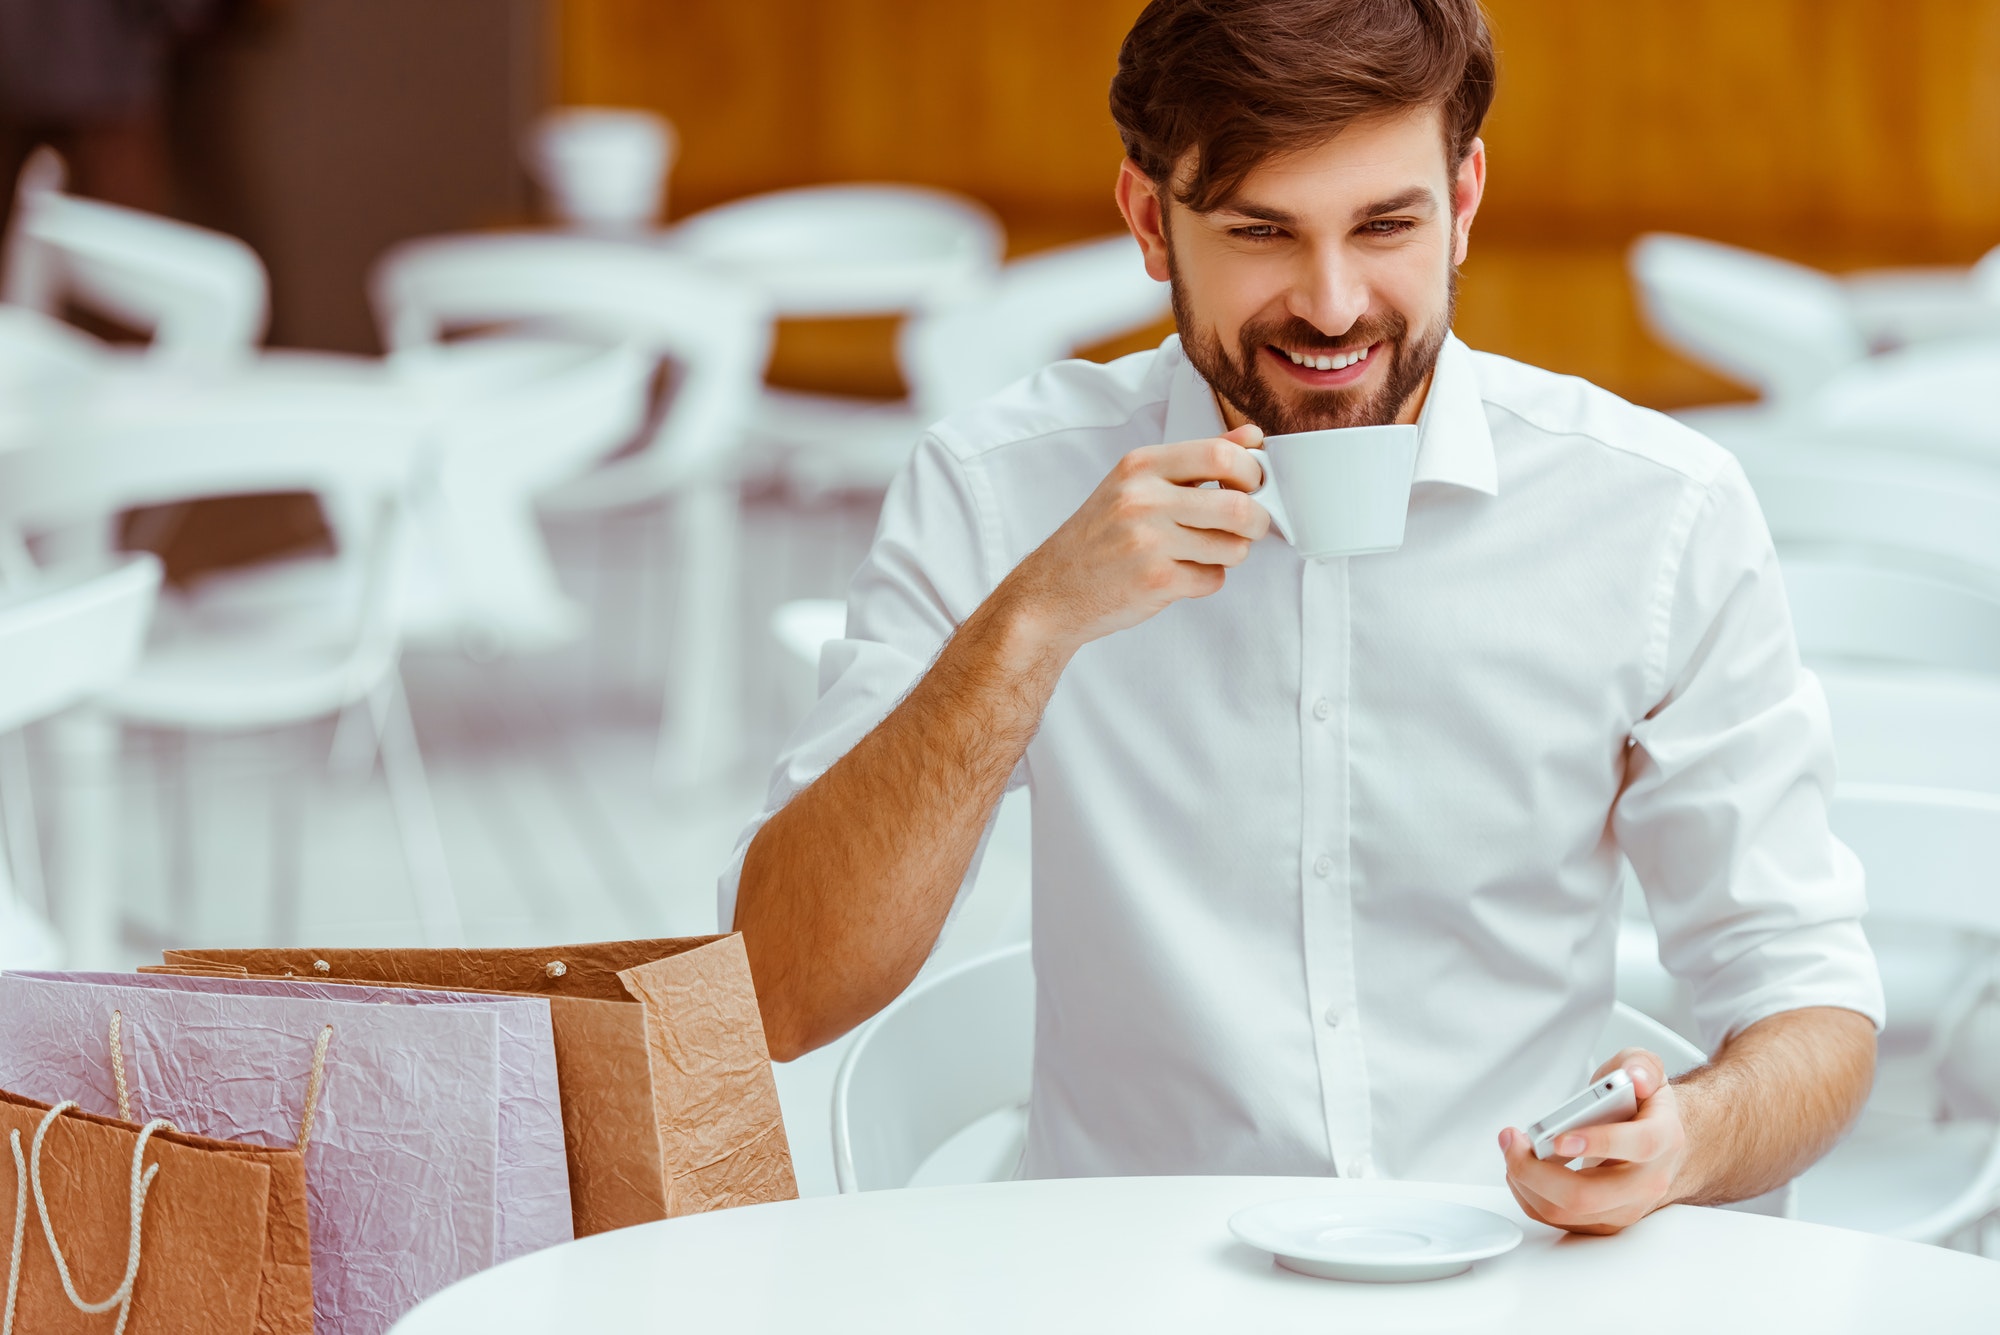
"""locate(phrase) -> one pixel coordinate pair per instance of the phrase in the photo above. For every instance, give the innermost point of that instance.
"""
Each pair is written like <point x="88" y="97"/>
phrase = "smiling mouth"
<point x="1317" y="369"/>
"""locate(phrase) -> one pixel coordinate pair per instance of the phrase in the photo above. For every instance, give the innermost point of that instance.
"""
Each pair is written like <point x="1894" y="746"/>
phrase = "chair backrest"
<point x="1932" y="854"/>
<point x="1779" y="327"/>
<point x="85" y="472"/>
<point x="1849" y="612"/>
<point x="850" y="250"/>
<point x="70" y="634"/>
<point x="959" y="1046"/>
<point x="715" y="330"/>
<point x="1986" y="275"/>
<point x="1889" y="504"/>
<point x="1038" y="309"/>
<point x="1629" y="1028"/>
<point x="203" y="296"/>
<point x="950" y="1050"/>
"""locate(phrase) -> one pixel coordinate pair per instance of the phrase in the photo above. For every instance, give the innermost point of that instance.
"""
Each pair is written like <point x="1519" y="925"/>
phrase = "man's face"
<point x="1319" y="294"/>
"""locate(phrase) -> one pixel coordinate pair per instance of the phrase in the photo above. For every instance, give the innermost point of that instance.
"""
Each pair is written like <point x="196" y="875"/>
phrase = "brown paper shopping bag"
<point x="221" y="1246"/>
<point x="669" y="1106"/>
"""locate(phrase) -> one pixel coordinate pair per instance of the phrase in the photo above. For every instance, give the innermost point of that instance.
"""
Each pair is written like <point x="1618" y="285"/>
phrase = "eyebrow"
<point x="1398" y="203"/>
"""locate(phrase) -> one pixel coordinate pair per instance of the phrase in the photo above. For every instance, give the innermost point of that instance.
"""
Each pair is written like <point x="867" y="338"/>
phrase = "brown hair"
<point x="1239" y="80"/>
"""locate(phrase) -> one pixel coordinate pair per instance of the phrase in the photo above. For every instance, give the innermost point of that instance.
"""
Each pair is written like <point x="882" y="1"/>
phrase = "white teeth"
<point x="1334" y="362"/>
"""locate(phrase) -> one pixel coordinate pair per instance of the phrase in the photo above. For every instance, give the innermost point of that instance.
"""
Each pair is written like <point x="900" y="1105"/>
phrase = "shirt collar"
<point x="1454" y="445"/>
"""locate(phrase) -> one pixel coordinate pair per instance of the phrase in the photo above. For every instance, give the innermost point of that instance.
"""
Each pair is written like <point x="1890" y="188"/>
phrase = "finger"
<point x="1250" y="436"/>
<point x="1209" y="547"/>
<point x="1639" y="1141"/>
<point x="1634" y="1061"/>
<point x="1601" y="1200"/>
<point x="1220" y="510"/>
<point x="1216" y="459"/>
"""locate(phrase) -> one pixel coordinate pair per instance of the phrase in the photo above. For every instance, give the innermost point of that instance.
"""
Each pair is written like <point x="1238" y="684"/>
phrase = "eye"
<point x="1386" y="226"/>
<point x="1256" y="232"/>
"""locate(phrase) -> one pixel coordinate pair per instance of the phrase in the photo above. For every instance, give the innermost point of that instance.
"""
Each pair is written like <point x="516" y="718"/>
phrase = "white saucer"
<point x="1377" y="1239"/>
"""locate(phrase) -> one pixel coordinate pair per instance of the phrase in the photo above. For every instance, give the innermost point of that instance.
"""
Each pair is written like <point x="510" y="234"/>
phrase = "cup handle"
<point x="1267" y="495"/>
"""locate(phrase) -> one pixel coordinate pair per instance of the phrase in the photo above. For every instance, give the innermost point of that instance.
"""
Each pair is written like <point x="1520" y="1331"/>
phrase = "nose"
<point x="1328" y="292"/>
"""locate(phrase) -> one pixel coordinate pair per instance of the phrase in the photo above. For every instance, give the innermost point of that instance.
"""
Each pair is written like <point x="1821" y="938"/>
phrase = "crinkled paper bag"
<point x="669" y="1106"/>
<point x="223" y="1240"/>
<point x="403" y="1158"/>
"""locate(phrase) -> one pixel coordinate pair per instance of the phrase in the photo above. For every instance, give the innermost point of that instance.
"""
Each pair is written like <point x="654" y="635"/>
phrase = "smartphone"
<point x="1611" y="1099"/>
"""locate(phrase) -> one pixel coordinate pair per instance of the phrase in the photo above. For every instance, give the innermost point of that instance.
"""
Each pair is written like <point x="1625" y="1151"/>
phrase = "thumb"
<point x="1250" y="436"/>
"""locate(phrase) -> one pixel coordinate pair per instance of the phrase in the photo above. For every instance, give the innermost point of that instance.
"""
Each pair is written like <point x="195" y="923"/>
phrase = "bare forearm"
<point x="1774" y="1100"/>
<point x="844" y="891"/>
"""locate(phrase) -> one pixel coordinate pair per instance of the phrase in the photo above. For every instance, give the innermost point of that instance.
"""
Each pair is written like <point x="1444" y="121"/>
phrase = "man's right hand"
<point x="1150" y="535"/>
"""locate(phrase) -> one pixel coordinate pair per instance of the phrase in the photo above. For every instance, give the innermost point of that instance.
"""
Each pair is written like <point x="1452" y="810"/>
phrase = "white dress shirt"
<point x="1327" y="866"/>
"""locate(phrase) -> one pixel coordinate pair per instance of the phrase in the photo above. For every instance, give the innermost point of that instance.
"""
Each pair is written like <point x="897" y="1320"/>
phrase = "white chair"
<point x="602" y="169"/>
<point x="1930" y="855"/>
<point x="846" y="251"/>
<point x="1778" y="327"/>
<point x="1030" y="312"/>
<point x="202" y="296"/>
<point x="231" y="670"/>
<point x="1037" y="309"/>
<point x="1902" y="306"/>
<point x="945" y="1071"/>
<point x="711" y="332"/>
<point x="955" y="1050"/>
<point x="65" y="637"/>
<point x="1930" y="398"/>
<point x="1880" y="499"/>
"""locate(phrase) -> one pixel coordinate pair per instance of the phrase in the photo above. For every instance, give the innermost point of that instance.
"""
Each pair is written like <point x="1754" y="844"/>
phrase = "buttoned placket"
<point x="1325" y="863"/>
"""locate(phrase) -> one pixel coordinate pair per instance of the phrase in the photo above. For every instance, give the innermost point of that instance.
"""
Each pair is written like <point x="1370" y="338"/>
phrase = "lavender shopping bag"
<point x="435" y="1136"/>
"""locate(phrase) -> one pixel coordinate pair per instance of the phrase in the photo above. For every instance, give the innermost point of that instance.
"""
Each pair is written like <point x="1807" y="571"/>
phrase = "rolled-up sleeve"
<point x="926" y="572"/>
<point x="1723" y="813"/>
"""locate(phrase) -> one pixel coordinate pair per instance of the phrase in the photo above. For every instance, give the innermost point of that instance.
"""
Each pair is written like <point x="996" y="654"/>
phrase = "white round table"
<point x="1155" y="1254"/>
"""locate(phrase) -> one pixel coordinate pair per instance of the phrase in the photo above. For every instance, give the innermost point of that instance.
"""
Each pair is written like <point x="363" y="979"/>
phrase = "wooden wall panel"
<point x="1840" y="132"/>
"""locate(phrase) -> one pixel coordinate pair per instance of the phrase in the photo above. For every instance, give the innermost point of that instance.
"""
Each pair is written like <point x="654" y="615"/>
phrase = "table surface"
<point x="1155" y="1254"/>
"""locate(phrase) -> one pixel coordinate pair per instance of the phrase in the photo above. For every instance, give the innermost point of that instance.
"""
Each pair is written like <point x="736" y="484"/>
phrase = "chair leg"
<point x="17" y="803"/>
<point x="416" y="817"/>
<point x="701" y="722"/>
<point x="86" y="754"/>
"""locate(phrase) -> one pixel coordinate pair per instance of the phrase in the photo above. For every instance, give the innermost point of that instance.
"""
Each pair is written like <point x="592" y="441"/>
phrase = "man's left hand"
<point x="1641" y="1158"/>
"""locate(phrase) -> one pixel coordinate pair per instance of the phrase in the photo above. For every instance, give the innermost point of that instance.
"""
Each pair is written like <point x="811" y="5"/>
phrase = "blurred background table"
<point x="1156" y="1254"/>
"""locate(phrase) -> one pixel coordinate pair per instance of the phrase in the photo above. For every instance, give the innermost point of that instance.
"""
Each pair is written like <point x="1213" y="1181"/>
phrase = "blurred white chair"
<point x="1932" y="398"/>
<point x="711" y="332"/>
<point x="1030" y="312"/>
<point x="202" y="296"/>
<point x="1778" y="327"/>
<point x="1930" y="855"/>
<point x="65" y="636"/>
<point x="1895" y="307"/>
<point x="240" y="669"/>
<point x="1875" y="498"/>
<point x="602" y="169"/>
<point x="801" y="628"/>
<point x="1037" y="309"/>
<point x="836" y="252"/>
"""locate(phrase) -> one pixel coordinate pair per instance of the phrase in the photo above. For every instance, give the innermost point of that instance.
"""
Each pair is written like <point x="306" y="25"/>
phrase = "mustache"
<point x="1303" y="336"/>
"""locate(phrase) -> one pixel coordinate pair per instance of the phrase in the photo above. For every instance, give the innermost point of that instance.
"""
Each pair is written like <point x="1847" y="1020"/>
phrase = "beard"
<point x="1241" y="382"/>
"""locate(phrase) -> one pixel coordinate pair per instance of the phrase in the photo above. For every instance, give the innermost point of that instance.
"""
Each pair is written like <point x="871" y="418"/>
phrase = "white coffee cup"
<point x="1344" y="492"/>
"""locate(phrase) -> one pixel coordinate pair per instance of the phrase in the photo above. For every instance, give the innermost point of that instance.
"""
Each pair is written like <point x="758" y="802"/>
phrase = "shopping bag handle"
<point x="314" y="1077"/>
<point x="27" y="1174"/>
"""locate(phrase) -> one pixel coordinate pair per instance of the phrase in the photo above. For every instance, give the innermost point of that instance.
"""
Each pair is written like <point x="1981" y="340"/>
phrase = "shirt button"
<point x="1321" y="708"/>
<point x="1322" y="865"/>
<point x="1332" y="1017"/>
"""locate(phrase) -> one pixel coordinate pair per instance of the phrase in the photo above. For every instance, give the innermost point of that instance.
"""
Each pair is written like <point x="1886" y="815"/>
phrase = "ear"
<point x="1467" y="191"/>
<point x="1146" y="214"/>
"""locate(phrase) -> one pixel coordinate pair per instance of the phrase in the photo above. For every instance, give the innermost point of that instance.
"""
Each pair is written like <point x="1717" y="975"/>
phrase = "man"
<point x="1327" y="855"/>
